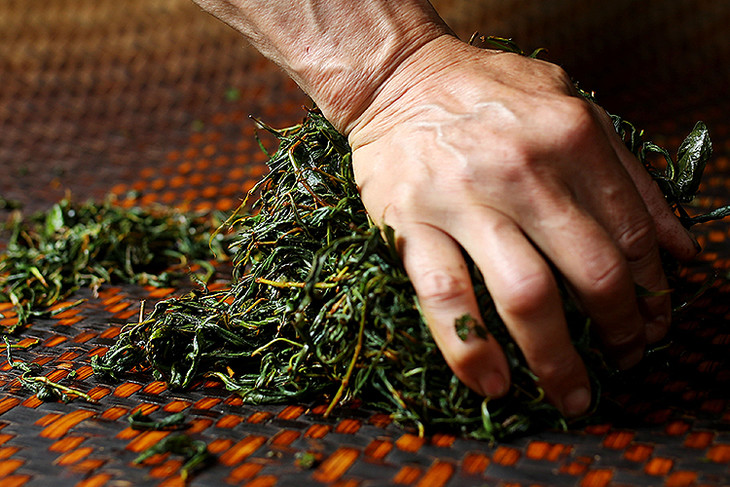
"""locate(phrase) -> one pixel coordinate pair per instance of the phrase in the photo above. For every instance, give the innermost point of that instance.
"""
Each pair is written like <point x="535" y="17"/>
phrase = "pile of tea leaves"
<point x="50" y="255"/>
<point x="320" y="308"/>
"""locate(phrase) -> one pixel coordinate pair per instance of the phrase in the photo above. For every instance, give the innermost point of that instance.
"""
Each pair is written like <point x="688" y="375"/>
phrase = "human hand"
<point x="461" y="149"/>
<point x="490" y="153"/>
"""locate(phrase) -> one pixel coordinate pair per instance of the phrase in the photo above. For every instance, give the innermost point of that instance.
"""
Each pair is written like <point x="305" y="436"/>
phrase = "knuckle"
<point x="554" y="369"/>
<point x="571" y="126"/>
<point x="559" y="77"/>
<point x="439" y="287"/>
<point x="576" y="120"/>
<point x="404" y="201"/>
<point x="521" y="163"/>
<point x="526" y="296"/>
<point x="638" y="239"/>
<point x="624" y="339"/>
<point x="605" y="276"/>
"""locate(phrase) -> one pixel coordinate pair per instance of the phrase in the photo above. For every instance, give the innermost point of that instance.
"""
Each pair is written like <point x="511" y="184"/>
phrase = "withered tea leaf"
<point x="321" y="309"/>
<point x="51" y="255"/>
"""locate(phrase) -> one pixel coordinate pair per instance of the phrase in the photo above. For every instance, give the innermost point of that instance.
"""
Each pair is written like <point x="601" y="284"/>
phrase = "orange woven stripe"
<point x="114" y="413"/>
<point x="618" y="440"/>
<point x="219" y="446"/>
<point x="47" y="419"/>
<point x="8" y="451"/>
<point x="229" y="421"/>
<point x="474" y="463"/>
<point x="597" y="478"/>
<point x="241" y="450"/>
<point x="69" y="313"/>
<point x="155" y="387"/>
<point x="699" y="439"/>
<point x="9" y="466"/>
<point x="380" y="420"/>
<point x="409" y="442"/>
<point x="145" y="440"/>
<point x="74" y="456"/>
<point x="110" y="332"/>
<point x="176" y="406"/>
<point x="291" y="412"/>
<point x="55" y="340"/>
<point x="263" y="481"/>
<point x="65" y="444"/>
<point x="284" y="438"/>
<point x="16" y="480"/>
<point x="681" y="479"/>
<point x="243" y="472"/>
<point x="127" y="389"/>
<point x="676" y="428"/>
<point x="167" y="469"/>
<point x="377" y="449"/>
<point x="8" y="403"/>
<point x="348" y="426"/>
<point x="63" y="424"/>
<point x="438" y="475"/>
<point x="638" y="453"/>
<point x="719" y="453"/>
<point x="317" y="431"/>
<point x="659" y="466"/>
<point x="407" y="475"/>
<point x="259" y="417"/>
<point x="336" y="465"/>
<point x="199" y="424"/>
<point x="99" y="392"/>
<point x="116" y="308"/>
<point x="84" y="372"/>
<point x="88" y="466"/>
<point x="542" y="450"/>
<point x="506" y="456"/>
<point x="207" y="403"/>
<point x="443" y="440"/>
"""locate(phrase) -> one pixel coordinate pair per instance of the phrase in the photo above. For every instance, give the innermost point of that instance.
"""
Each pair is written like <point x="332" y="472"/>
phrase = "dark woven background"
<point x="149" y="99"/>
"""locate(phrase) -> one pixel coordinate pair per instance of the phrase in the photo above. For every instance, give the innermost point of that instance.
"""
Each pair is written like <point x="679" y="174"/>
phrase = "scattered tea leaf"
<point x="50" y="255"/>
<point x="195" y="452"/>
<point x="141" y="421"/>
<point x="321" y="308"/>
<point x="9" y="204"/>
<point x="44" y="388"/>
<point x="466" y="325"/>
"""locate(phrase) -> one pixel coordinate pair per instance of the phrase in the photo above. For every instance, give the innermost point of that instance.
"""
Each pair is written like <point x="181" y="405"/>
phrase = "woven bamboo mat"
<point x="149" y="100"/>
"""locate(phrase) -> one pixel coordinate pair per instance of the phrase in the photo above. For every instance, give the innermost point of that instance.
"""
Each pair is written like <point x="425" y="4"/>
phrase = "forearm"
<point x="338" y="51"/>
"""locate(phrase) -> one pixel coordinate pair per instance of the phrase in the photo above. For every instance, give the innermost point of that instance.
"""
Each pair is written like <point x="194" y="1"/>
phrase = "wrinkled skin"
<point x="467" y="150"/>
<point x="497" y="155"/>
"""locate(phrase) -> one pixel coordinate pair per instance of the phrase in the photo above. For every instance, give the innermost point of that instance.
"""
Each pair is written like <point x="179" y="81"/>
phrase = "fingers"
<point x="671" y="235"/>
<point x="442" y="282"/>
<point x="632" y="209"/>
<point x="634" y="233"/>
<point x="600" y="277"/>
<point x="527" y="298"/>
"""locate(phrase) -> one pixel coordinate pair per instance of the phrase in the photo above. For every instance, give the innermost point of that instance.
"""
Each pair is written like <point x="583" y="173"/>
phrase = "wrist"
<point x="344" y="80"/>
<point x="428" y="77"/>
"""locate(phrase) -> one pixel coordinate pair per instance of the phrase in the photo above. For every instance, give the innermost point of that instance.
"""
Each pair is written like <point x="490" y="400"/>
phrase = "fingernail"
<point x="577" y="401"/>
<point x="630" y="359"/>
<point x="494" y="384"/>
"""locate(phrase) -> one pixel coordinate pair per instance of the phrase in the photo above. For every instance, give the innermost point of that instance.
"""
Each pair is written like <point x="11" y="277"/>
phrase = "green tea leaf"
<point x="50" y="255"/>
<point x="692" y="157"/>
<point x="54" y="220"/>
<point x="320" y="306"/>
